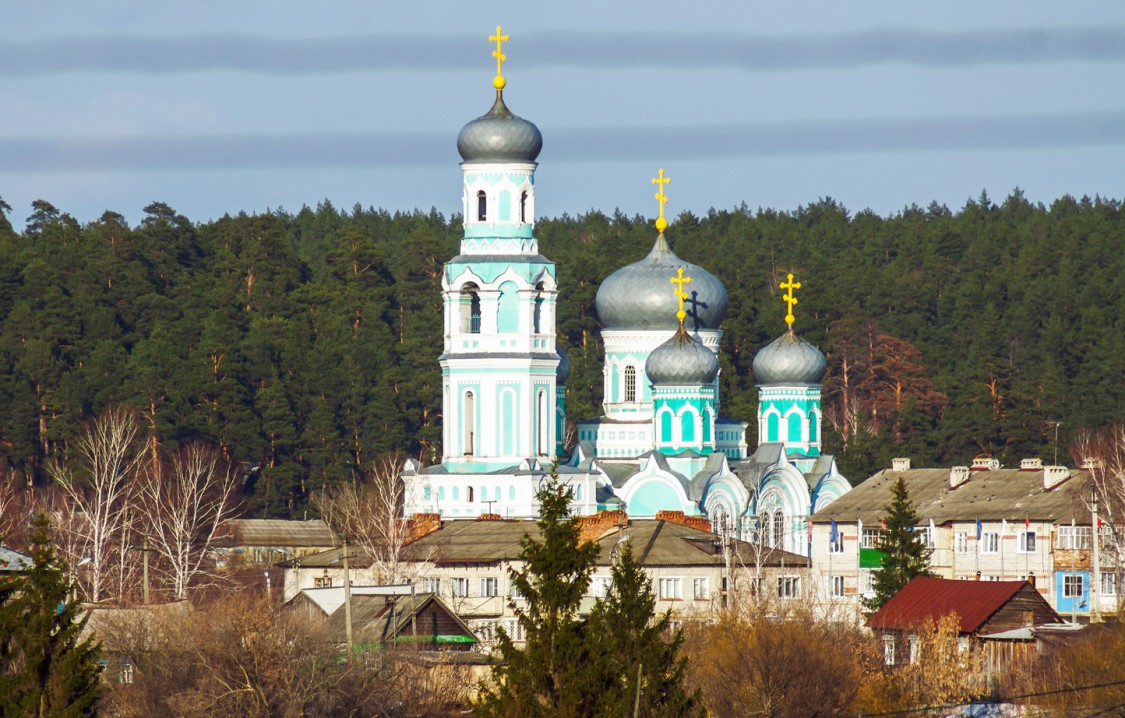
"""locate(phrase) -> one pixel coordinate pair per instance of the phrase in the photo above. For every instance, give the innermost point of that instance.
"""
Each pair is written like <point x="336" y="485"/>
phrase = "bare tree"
<point x="1102" y="454"/>
<point x="9" y="495"/>
<point x="184" y="511"/>
<point x="369" y="515"/>
<point x="99" y="487"/>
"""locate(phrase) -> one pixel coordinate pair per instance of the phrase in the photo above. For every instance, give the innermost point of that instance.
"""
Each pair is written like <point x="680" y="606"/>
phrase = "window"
<point x="537" y="312"/>
<point x="486" y="631"/>
<point x="470" y="309"/>
<point x="459" y="587"/>
<point x="469" y="493"/>
<point x="322" y="582"/>
<point x="514" y="629"/>
<point x="960" y="542"/>
<point x="1025" y="542"/>
<point x="490" y="587"/>
<point x="927" y="536"/>
<point x="425" y="493"/>
<point x="523" y="208"/>
<point x="867" y="582"/>
<point x="127" y="674"/>
<point x="431" y="585"/>
<point x="837" y="586"/>
<point x="1072" y="586"/>
<point x="1109" y="584"/>
<point x="788" y="587"/>
<point x="671" y="589"/>
<point x="599" y="586"/>
<point x="514" y="591"/>
<point x="468" y="419"/>
<point x="778" y="530"/>
<point x="630" y="384"/>
<point x="836" y="546"/>
<point x="889" y="650"/>
<point x="1074" y="537"/>
<point x="915" y="649"/>
<point x="870" y="538"/>
<point x="482" y="206"/>
<point x="701" y="589"/>
<point x="990" y="542"/>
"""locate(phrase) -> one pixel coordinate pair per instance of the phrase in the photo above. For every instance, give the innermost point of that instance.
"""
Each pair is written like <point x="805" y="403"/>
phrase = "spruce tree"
<point x="543" y="678"/>
<point x="46" y="667"/>
<point x="628" y="643"/>
<point x="904" y="553"/>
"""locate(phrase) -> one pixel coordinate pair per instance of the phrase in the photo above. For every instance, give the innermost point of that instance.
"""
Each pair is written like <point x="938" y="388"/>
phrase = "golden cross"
<point x="789" y="285"/>
<point x="499" y="38"/>
<point x="680" y="280"/>
<point x="660" y="181"/>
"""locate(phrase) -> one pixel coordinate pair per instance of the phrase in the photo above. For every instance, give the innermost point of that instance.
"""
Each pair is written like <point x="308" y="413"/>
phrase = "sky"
<point x="216" y="107"/>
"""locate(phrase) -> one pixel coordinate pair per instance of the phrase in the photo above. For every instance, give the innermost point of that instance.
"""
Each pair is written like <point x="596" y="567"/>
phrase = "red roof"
<point x="926" y="598"/>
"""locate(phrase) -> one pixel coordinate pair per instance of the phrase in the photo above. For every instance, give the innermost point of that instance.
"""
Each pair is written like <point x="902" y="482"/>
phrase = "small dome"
<point x="681" y="361"/>
<point x="499" y="136"/>
<point x="639" y="296"/>
<point x="562" y="373"/>
<point x="789" y="359"/>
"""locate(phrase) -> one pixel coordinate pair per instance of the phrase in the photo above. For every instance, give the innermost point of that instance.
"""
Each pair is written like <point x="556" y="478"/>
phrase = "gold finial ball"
<point x="661" y="224"/>
<point x="498" y="82"/>
<point x="681" y="315"/>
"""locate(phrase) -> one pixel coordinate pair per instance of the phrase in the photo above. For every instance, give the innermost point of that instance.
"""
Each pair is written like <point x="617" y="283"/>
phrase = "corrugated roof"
<point x="1009" y="494"/>
<point x="666" y="543"/>
<point x="280" y="532"/>
<point x="374" y="619"/>
<point x="927" y="598"/>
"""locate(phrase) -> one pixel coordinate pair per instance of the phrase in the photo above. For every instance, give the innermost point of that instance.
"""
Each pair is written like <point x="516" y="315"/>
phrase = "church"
<point x="661" y="444"/>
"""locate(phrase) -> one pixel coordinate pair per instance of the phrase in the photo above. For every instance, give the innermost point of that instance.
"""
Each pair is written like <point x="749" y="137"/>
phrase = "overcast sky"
<point x="217" y="107"/>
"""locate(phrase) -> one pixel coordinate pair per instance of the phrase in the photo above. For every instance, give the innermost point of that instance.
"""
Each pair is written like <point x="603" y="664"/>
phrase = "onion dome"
<point x="682" y="361"/>
<point x="499" y="136"/>
<point x="562" y="373"/>
<point x="637" y="297"/>
<point x="789" y="359"/>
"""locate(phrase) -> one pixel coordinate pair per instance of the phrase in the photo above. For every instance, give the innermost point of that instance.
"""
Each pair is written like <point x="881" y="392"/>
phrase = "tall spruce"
<point x="543" y="679"/>
<point x="904" y="551"/>
<point x="47" y="667"/>
<point x="630" y="644"/>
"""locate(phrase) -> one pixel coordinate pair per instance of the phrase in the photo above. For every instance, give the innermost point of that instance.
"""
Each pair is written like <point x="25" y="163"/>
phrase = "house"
<point x="13" y="562"/>
<point x="320" y="603"/>
<point x="694" y="572"/>
<point x="982" y="522"/>
<point x="268" y="541"/>
<point x="996" y="617"/>
<point x="421" y="620"/>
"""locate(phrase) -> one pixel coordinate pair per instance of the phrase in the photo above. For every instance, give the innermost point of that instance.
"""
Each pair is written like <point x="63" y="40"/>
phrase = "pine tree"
<point x="628" y="643"/>
<point x="904" y="553"/>
<point x="543" y="678"/>
<point x="46" y="667"/>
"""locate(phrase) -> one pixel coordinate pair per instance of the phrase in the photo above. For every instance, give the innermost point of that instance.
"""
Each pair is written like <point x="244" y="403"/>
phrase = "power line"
<point x="1005" y="699"/>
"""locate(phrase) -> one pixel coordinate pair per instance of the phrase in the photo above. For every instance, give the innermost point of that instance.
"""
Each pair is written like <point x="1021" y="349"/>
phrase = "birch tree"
<point x="99" y="485"/>
<point x="184" y="510"/>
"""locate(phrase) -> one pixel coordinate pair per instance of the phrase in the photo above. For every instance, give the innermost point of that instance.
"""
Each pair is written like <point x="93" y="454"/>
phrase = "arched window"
<point x="496" y="493"/>
<point x="630" y="384"/>
<point x="794" y="428"/>
<point x="511" y="492"/>
<point x="456" y="494"/>
<point x="778" y="529"/>
<point x="541" y="421"/>
<point x="665" y="428"/>
<point x="470" y="309"/>
<point x="706" y="427"/>
<point x="764" y="529"/>
<point x="482" y="206"/>
<point x="468" y="421"/>
<point x="523" y="207"/>
<point x="441" y="493"/>
<point x="771" y="427"/>
<point x="469" y="494"/>
<point x="812" y="428"/>
<point x="537" y="312"/>
<point x="578" y="492"/>
<point x="425" y="493"/>
<point x="687" y="427"/>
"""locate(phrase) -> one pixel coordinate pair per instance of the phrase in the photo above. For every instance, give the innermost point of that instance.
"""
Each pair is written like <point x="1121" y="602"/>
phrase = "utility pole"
<point x="347" y="597"/>
<point x="144" y="563"/>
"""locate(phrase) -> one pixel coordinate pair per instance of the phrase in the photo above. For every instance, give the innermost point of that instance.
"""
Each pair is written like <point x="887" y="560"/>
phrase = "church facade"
<point x="662" y="443"/>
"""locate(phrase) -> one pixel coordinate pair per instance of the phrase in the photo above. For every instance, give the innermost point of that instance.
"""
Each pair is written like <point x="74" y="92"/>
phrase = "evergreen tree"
<point x="46" y="667"/>
<point x="627" y="644"/>
<point x="904" y="553"/>
<point x="544" y="679"/>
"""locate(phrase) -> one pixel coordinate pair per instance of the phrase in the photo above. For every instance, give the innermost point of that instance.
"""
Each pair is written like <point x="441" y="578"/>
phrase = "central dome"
<point x="639" y="296"/>
<point x="499" y="136"/>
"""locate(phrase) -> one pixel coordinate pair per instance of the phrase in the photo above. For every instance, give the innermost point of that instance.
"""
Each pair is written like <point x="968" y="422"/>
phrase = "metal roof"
<point x="384" y="618"/>
<point x="928" y="598"/>
<point x="994" y="495"/>
<point x="280" y="532"/>
<point x="14" y="561"/>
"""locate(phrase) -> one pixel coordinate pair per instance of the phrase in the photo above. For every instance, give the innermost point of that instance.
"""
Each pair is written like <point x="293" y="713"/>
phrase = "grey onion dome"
<point x="562" y="372"/>
<point x="499" y="136"/>
<point x="639" y="295"/>
<point x="681" y="361"/>
<point x="789" y="359"/>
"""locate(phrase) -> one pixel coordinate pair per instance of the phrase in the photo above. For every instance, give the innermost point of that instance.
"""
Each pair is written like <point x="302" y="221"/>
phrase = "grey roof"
<point x="499" y="136"/>
<point x="14" y="561"/>
<point x="682" y="361"/>
<point x="789" y="359"/>
<point x="378" y="618"/>
<point x="472" y="542"/>
<point x="1000" y="494"/>
<point x="639" y="295"/>
<point x="667" y="543"/>
<point x="279" y="532"/>
<point x="330" y="598"/>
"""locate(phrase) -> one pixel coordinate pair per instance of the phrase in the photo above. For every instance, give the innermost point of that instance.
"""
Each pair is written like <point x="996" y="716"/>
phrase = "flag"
<point x="980" y="529"/>
<point x="883" y="523"/>
<point x="835" y="535"/>
<point x="1026" y="522"/>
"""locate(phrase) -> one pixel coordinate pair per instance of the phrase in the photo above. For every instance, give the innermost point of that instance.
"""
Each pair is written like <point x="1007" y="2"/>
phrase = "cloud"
<point x="375" y="150"/>
<point x="361" y="53"/>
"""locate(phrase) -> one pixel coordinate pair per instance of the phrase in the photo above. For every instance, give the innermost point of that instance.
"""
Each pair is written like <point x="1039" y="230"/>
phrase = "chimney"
<point x="958" y="475"/>
<point x="1090" y="463"/>
<point x="900" y="464"/>
<point x="678" y="517"/>
<point x="1054" y="475"/>
<point x="986" y="464"/>
<point x="1031" y="464"/>
<point x="489" y="517"/>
